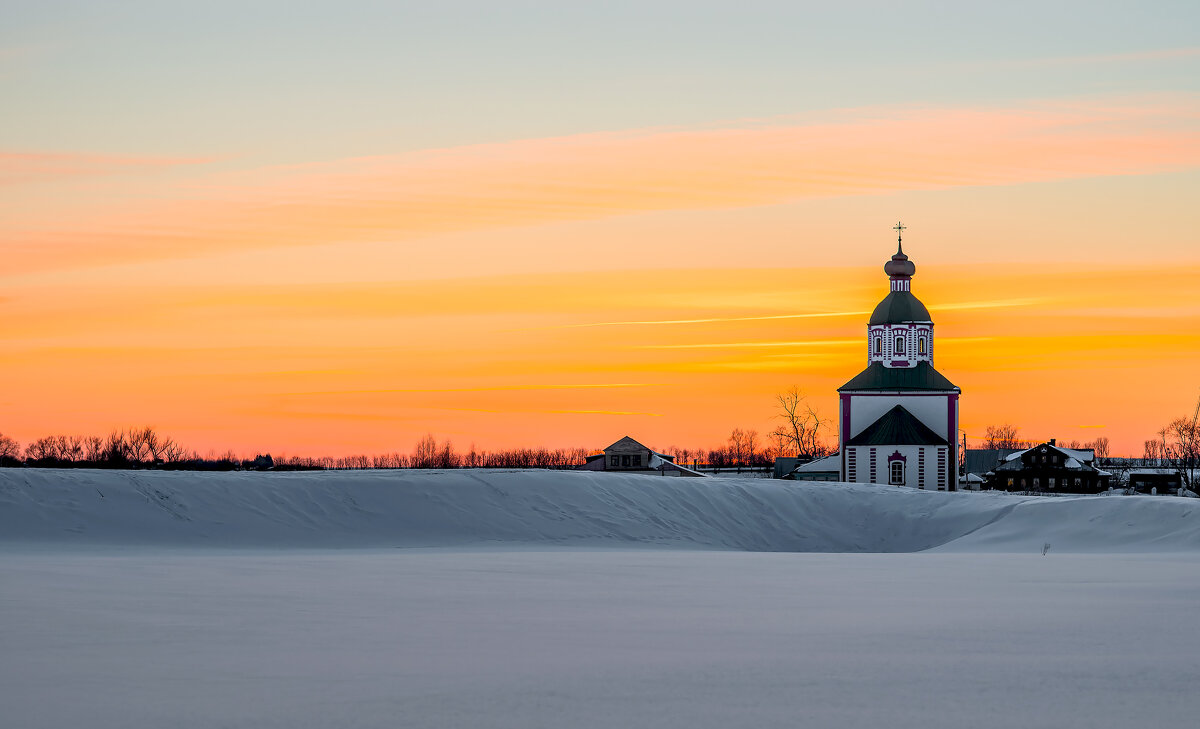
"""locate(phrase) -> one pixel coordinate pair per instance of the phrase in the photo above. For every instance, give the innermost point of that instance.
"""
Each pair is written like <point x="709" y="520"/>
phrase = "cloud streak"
<point x="19" y="168"/>
<point x="590" y="176"/>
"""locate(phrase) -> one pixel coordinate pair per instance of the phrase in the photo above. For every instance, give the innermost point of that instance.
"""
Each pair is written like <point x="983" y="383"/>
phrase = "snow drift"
<point x="470" y="507"/>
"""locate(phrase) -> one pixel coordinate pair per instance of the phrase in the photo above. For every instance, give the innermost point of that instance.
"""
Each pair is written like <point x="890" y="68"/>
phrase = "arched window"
<point x="899" y="345"/>
<point x="897" y="473"/>
<point x="878" y="345"/>
<point x="921" y="345"/>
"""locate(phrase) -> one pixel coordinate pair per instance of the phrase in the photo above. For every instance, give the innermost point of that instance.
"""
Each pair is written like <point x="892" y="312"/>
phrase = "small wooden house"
<point x="627" y="455"/>
<point x="1051" y="469"/>
<point x="1155" y="481"/>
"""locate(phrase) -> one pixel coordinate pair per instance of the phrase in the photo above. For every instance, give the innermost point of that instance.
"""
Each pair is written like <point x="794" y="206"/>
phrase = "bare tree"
<point x="10" y="450"/>
<point x="800" y="431"/>
<point x="93" y="448"/>
<point x="425" y="454"/>
<point x="737" y="448"/>
<point x="1001" y="436"/>
<point x="1180" y="446"/>
<point x="1100" y="446"/>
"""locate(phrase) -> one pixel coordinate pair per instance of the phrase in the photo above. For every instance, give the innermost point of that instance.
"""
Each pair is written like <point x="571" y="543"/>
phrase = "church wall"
<point x="920" y="465"/>
<point x="929" y="409"/>
<point x="939" y="411"/>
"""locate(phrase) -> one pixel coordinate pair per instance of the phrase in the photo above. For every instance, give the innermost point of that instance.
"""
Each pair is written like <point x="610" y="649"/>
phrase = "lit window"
<point x="921" y="346"/>
<point x="878" y="345"/>
<point x="897" y="472"/>
<point x="1010" y="482"/>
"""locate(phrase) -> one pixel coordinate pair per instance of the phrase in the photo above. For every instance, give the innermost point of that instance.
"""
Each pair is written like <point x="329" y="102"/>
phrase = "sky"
<point x="326" y="228"/>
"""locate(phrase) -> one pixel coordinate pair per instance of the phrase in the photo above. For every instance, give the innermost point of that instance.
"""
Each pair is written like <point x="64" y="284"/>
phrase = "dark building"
<point x="1155" y="481"/>
<point x="628" y="455"/>
<point x="1050" y="469"/>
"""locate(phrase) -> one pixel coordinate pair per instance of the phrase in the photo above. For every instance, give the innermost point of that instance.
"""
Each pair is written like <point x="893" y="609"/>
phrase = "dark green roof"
<point x="897" y="427"/>
<point x="878" y="377"/>
<point x="899" y="307"/>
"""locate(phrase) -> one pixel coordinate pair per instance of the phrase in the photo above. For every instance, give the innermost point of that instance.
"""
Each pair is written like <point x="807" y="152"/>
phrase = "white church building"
<point x="898" y="418"/>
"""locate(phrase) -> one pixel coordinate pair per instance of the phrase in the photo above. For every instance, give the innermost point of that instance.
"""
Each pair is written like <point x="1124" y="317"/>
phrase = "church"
<point x="898" y="418"/>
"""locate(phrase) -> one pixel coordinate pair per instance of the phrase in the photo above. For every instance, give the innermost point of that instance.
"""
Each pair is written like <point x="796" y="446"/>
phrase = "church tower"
<point x="898" y="418"/>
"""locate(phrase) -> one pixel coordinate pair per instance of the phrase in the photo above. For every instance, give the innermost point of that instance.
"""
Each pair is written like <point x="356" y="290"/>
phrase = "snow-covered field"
<point x="493" y="508"/>
<point x="565" y="600"/>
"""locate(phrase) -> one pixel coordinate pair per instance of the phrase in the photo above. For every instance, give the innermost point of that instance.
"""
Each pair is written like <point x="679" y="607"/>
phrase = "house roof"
<point x="626" y="445"/>
<point x="878" y="377"/>
<point x="899" y="307"/>
<point x="825" y="464"/>
<point x="982" y="460"/>
<point x="1073" y="459"/>
<point x="897" y="427"/>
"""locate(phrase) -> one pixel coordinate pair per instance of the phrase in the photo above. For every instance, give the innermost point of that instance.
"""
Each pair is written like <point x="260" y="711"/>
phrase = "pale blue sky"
<point x="290" y="81"/>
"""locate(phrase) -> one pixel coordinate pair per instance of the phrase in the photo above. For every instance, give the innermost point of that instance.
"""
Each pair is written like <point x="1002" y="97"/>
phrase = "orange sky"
<point x="673" y="357"/>
<point x="251" y="257"/>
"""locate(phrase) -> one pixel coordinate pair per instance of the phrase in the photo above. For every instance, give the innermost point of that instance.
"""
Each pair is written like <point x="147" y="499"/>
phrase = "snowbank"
<point x="461" y="508"/>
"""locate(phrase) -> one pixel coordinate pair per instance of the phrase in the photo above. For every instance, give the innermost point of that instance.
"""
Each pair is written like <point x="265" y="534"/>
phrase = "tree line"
<point x="1175" y="446"/>
<point x="144" y="447"/>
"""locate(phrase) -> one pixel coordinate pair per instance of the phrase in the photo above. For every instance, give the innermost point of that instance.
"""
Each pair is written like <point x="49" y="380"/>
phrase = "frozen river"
<point x="536" y="637"/>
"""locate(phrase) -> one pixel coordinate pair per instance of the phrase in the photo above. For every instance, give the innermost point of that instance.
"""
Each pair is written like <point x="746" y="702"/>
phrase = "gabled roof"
<point x="1073" y="459"/>
<point x="878" y="377"/>
<point x="897" y="427"/>
<point x="825" y="464"/>
<point x="982" y="460"/>
<point x="626" y="445"/>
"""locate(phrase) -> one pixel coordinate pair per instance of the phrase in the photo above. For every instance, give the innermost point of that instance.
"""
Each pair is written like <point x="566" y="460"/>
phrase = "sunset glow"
<point x="547" y="280"/>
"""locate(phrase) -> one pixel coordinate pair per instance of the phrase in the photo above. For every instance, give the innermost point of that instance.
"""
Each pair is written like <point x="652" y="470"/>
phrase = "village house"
<point x="1051" y="469"/>
<point x="629" y="456"/>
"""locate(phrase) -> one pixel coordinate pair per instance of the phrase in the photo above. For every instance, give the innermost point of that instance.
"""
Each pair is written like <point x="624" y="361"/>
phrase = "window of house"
<point x="1051" y="482"/>
<point x="1010" y="482"/>
<point x="1022" y="483"/>
<point x="1037" y="483"/>
<point x="1078" y="482"/>
<point x="624" y="461"/>
<point x="897" y="474"/>
<point x="878" y="345"/>
<point x="921" y="345"/>
<point x="899" y="345"/>
<point x="1054" y="459"/>
<point x="636" y="460"/>
<point x="614" y="461"/>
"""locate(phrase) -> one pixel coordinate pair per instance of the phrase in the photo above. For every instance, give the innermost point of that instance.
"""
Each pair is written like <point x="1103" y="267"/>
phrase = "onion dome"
<point x="899" y="306"/>
<point x="899" y="265"/>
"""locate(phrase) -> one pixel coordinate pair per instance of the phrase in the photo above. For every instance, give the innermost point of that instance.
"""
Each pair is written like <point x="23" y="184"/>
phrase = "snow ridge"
<point x="583" y="509"/>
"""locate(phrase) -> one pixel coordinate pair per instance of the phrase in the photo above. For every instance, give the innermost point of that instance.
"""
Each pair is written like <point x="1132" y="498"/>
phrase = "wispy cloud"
<point x="708" y="320"/>
<point x="492" y="388"/>
<point x="17" y="168"/>
<point x="1159" y="54"/>
<point x="745" y="345"/>
<point x="603" y="412"/>
<point x="993" y="304"/>
<point x="590" y="176"/>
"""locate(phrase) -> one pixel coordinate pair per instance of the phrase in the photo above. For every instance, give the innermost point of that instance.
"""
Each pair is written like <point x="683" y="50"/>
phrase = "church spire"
<point x="899" y="269"/>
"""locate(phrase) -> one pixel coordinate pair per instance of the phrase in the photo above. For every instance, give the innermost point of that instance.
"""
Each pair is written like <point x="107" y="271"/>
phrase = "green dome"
<point x="899" y="307"/>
